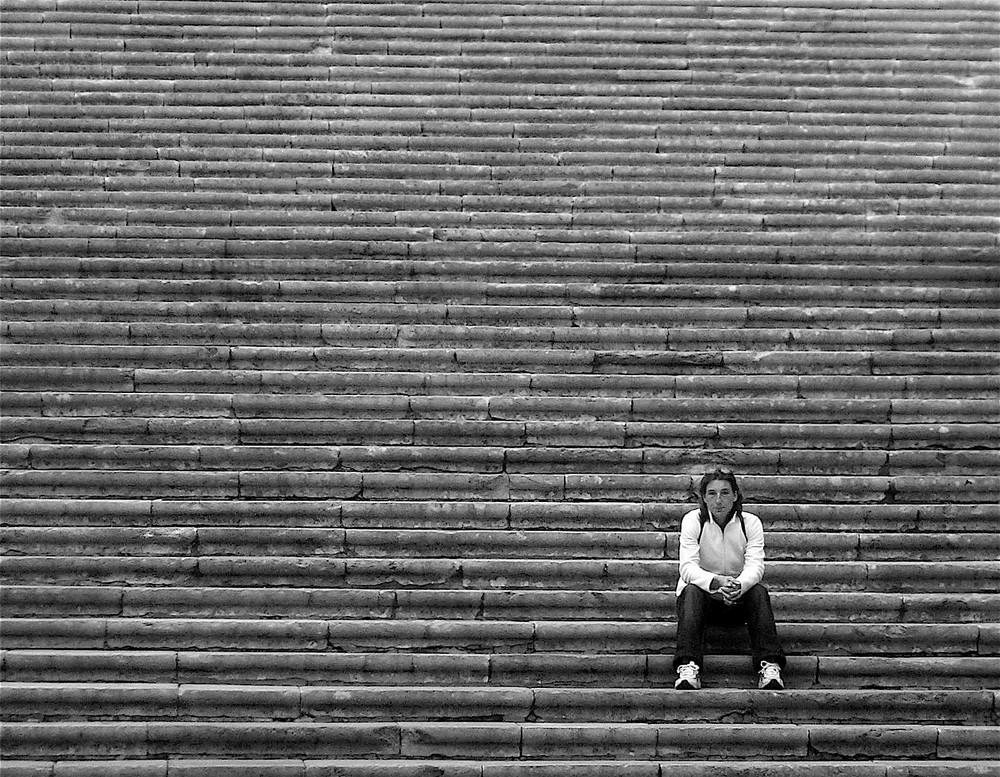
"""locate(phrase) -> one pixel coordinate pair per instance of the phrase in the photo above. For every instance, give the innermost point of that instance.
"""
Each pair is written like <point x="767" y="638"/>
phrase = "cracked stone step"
<point x="137" y="601"/>
<point x="478" y="292"/>
<point x="414" y="767"/>
<point x="532" y="670"/>
<point x="541" y="459"/>
<point x="466" y="544"/>
<point x="154" y="701"/>
<point x="413" y="314"/>
<point x="484" y="487"/>
<point x="387" y="335"/>
<point x="498" y="407"/>
<point x="477" y="574"/>
<point x="588" y="743"/>
<point x="463" y="637"/>
<point x="608" y="515"/>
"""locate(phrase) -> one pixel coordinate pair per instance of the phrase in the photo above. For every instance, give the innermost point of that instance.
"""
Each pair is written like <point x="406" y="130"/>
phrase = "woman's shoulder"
<point x="752" y="518"/>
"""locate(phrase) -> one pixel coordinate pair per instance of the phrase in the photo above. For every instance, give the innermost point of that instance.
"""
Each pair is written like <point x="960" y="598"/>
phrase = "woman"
<point x="721" y="566"/>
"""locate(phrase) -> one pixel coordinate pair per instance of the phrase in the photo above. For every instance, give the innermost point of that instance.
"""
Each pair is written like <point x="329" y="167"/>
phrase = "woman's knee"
<point x="757" y="593"/>
<point x="694" y="595"/>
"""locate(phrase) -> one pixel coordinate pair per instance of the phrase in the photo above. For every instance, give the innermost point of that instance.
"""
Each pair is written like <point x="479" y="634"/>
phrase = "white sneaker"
<point x="770" y="677"/>
<point x="687" y="677"/>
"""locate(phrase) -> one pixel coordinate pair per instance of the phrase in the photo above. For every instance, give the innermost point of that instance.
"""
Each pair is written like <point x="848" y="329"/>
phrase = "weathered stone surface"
<point x="460" y="704"/>
<point x="593" y="741"/>
<point x="443" y="740"/>
<point x="217" y="767"/>
<point x="872" y="742"/>
<point x="75" y="740"/>
<point x="357" y="740"/>
<point x="776" y="742"/>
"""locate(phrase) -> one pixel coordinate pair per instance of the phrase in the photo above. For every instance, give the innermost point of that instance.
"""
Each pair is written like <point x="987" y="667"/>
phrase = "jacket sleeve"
<point x="753" y="555"/>
<point x="690" y="554"/>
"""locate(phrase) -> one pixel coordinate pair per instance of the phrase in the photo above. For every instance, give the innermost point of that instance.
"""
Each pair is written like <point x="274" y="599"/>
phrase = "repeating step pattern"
<point x="359" y="361"/>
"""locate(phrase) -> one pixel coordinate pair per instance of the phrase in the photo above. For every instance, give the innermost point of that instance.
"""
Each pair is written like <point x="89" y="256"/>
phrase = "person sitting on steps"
<point x="721" y="566"/>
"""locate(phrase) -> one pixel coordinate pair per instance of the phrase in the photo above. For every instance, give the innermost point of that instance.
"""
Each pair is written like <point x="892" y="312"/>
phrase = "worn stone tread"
<point x="533" y="670"/>
<point x="164" y="701"/>
<point x="612" y="637"/>
<point x="607" y="515"/>
<point x="465" y="544"/>
<point x="284" y="767"/>
<point x="37" y="404"/>
<point x="140" y="601"/>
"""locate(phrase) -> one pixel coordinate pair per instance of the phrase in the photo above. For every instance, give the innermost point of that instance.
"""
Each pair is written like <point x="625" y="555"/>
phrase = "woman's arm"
<point x="753" y="554"/>
<point x="690" y="555"/>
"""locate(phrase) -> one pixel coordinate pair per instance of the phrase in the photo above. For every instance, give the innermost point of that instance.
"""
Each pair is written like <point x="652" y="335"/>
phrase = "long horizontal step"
<point x="60" y="442"/>
<point x="474" y="292"/>
<point x="534" y="384"/>
<point x="696" y="245"/>
<point x="459" y="336"/>
<point x="353" y="443"/>
<point x="604" y="515"/>
<point x="965" y="490"/>
<point x="576" y="747"/>
<point x="677" y="316"/>
<point x="497" y="408"/>
<point x="467" y="544"/>
<point x="513" y="574"/>
<point x="479" y="767"/>
<point x="477" y="636"/>
<point x="533" y="670"/>
<point x="229" y="361"/>
<point x="137" y="601"/>
<point x="530" y="270"/>
<point x="700" y="177"/>
<point x="562" y="452"/>
<point x="37" y="222"/>
<point x="106" y="701"/>
<point x="105" y="132"/>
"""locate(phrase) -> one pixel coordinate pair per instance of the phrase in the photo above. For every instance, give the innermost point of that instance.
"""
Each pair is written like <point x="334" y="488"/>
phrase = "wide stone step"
<point x="388" y="407"/>
<point x="478" y="574"/>
<point x="538" y="384"/>
<point x="606" y="515"/>
<point x="695" y="245"/>
<point x="593" y="456"/>
<point x="484" y="170"/>
<point x="149" y="701"/>
<point x="483" y="487"/>
<point x="667" y="319"/>
<point x="466" y="544"/>
<point x="532" y="670"/>
<point x="477" y="292"/>
<point x="306" y="767"/>
<point x="446" y="636"/>
<point x="417" y="360"/>
<point x="224" y="440"/>
<point x="532" y="271"/>
<point x="138" y="601"/>
<point x="809" y="745"/>
<point x="644" y="339"/>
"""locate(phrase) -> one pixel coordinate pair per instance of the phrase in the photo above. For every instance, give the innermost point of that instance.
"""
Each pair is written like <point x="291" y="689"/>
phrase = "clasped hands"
<point x="729" y="589"/>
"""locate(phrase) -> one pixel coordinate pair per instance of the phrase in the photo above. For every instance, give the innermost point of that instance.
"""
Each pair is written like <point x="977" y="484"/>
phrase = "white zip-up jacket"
<point x="727" y="553"/>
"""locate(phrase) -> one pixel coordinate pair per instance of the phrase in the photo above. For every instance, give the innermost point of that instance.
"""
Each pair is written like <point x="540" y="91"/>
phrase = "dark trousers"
<point x="696" y="609"/>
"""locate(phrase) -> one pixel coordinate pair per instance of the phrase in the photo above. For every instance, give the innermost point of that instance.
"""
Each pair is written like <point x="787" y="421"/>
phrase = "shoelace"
<point x="770" y="671"/>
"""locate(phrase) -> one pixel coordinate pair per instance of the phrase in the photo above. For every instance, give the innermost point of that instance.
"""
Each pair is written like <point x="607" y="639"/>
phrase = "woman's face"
<point x="720" y="498"/>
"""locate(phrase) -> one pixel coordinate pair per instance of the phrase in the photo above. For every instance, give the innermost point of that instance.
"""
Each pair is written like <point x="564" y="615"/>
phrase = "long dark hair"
<point x="730" y="478"/>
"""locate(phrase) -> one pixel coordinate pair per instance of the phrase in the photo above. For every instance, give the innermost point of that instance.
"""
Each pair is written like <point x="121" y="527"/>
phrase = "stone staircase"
<point x="360" y="358"/>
